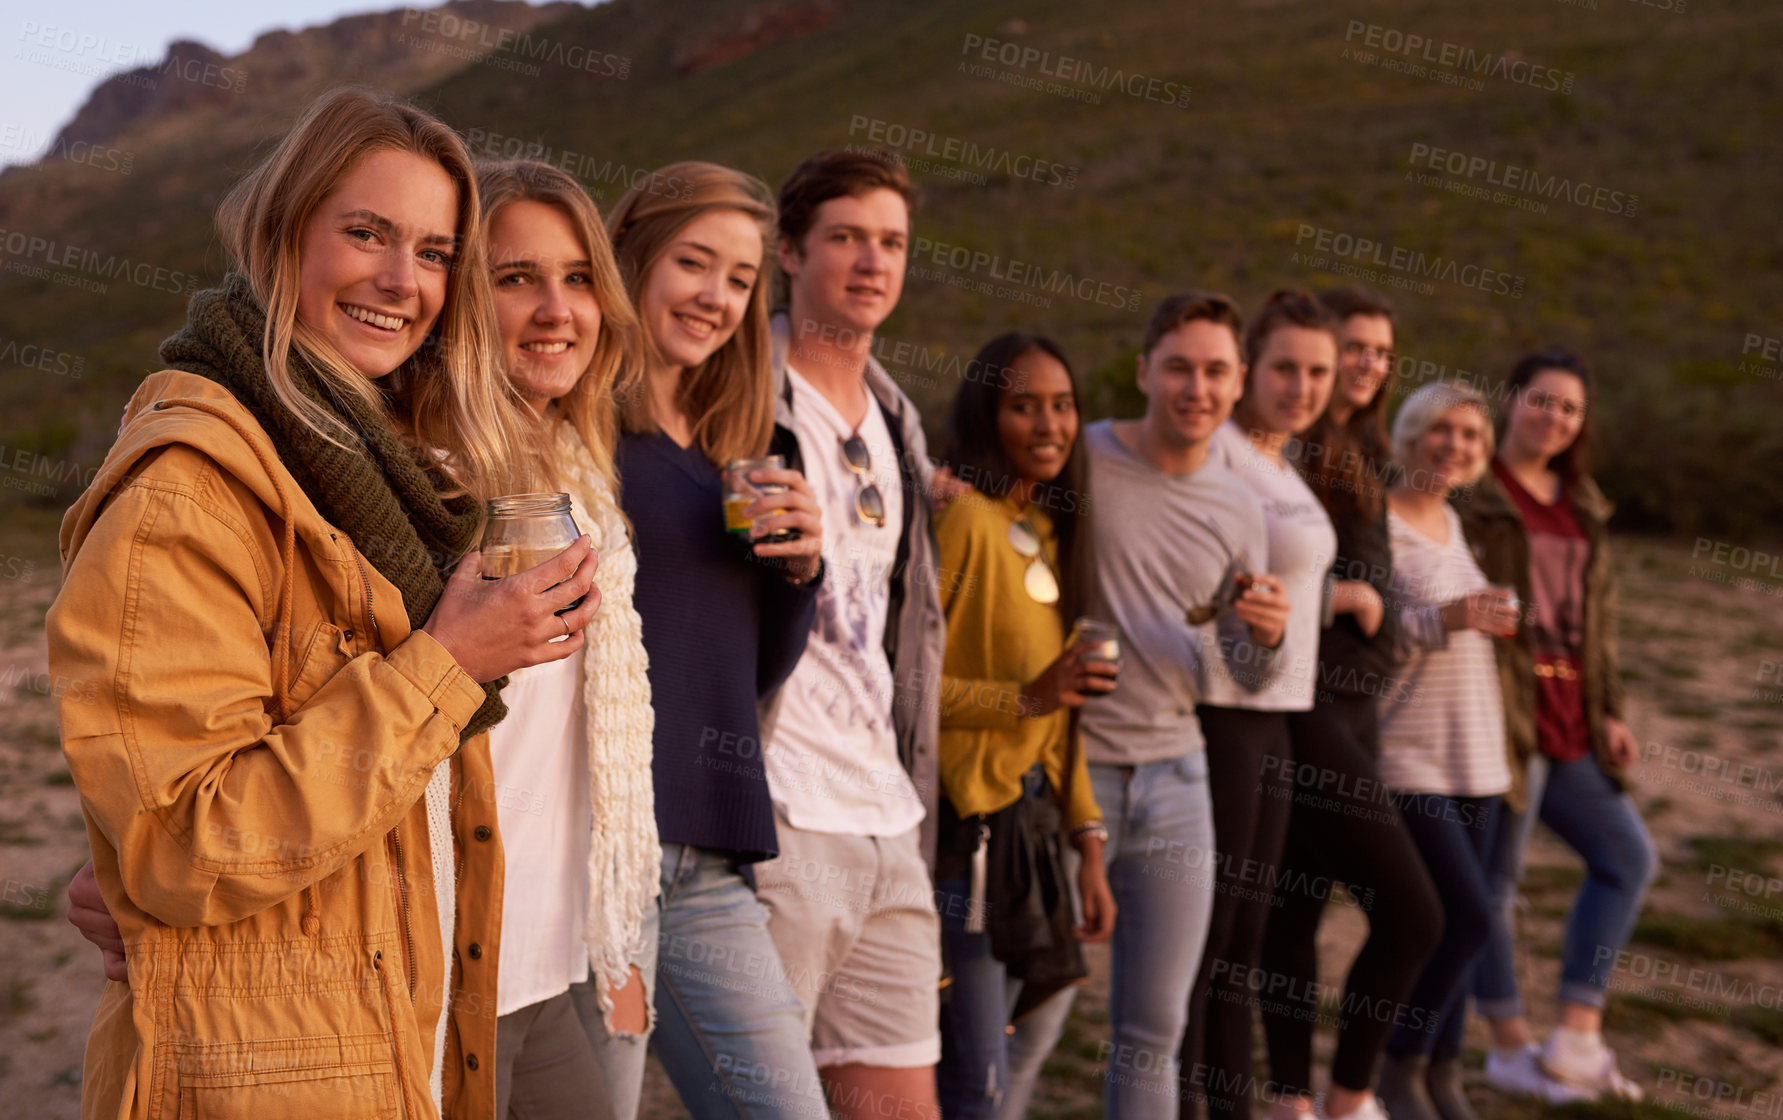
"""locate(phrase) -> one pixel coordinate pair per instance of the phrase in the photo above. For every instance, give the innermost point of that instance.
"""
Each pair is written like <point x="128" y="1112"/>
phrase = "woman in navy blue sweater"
<point x="724" y="622"/>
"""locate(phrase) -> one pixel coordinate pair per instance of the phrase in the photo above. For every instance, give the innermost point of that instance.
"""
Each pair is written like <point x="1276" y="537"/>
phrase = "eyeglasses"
<point x="1042" y="586"/>
<point x="869" y="503"/>
<point x="1365" y="353"/>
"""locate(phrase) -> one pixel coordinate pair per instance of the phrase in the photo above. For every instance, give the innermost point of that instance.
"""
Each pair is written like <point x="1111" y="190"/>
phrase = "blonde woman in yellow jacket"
<point x="1013" y="559"/>
<point x="284" y="774"/>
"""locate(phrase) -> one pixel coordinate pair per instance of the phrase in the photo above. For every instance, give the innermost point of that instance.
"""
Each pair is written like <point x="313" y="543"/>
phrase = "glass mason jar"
<point x="525" y="530"/>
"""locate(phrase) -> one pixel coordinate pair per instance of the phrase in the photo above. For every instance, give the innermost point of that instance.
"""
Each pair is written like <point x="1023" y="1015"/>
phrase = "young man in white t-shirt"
<point x="851" y="736"/>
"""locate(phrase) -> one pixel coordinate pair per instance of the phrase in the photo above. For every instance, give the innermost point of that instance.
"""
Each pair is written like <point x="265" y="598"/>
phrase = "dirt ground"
<point x="1697" y="1015"/>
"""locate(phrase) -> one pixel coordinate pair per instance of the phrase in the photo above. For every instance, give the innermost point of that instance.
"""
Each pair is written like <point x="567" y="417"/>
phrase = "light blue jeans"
<point x="1161" y="869"/>
<point x="621" y="1056"/>
<point x="730" y="1032"/>
<point x="1600" y="822"/>
<point x="988" y="1065"/>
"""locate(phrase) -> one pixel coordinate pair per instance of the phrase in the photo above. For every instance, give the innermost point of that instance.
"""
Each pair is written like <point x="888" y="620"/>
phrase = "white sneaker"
<point x="1595" y="1073"/>
<point x="1520" y="1072"/>
<point x="1369" y="1109"/>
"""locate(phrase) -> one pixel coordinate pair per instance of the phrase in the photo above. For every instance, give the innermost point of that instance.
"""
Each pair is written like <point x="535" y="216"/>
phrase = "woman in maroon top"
<point x="1539" y="522"/>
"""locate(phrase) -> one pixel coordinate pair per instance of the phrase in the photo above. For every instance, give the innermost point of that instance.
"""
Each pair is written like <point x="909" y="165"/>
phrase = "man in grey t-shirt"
<point x="1174" y="530"/>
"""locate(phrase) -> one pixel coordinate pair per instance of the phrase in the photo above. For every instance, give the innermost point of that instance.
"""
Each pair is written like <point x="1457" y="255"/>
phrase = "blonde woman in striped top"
<point x="1442" y="733"/>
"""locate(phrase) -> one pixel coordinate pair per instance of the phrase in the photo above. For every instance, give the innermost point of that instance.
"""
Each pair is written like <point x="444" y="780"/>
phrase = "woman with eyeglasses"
<point x="1013" y="563"/>
<point x="1291" y="355"/>
<point x="724" y="620"/>
<point x="1537" y="521"/>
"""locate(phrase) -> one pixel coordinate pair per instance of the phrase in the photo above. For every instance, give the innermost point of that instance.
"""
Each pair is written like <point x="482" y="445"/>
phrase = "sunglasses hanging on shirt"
<point x="869" y="503"/>
<point x="1042" y="586"/>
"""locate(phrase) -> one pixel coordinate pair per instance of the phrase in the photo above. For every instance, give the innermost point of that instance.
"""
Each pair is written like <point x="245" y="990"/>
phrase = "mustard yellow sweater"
<point x="998" y="638"/>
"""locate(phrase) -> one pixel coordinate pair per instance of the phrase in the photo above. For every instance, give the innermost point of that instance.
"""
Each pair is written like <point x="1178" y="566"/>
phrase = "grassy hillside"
<point x="1303" y="135"/>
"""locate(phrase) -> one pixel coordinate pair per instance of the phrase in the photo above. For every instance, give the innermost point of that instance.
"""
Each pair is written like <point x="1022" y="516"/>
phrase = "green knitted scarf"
<point x="381" y="493"/>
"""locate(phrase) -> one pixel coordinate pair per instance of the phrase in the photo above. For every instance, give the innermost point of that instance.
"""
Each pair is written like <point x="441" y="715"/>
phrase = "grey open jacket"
<point x="915" y="634"/>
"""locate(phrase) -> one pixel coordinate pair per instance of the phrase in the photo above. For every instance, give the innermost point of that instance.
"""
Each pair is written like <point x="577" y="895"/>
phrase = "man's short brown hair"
<point x="826" y="175"/>
<point x="1358" y="300"/>
<point x="1186" y="307"/>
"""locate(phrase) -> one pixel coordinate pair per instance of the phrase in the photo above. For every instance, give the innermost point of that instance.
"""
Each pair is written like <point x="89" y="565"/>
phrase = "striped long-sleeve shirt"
<point x="1443" y="730"/>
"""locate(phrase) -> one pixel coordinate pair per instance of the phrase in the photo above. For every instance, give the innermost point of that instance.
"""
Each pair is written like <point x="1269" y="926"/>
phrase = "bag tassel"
<point x="975" y="905"/>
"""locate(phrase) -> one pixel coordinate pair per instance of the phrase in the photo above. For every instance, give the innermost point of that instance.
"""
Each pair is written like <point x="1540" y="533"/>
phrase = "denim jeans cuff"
<point x="1583" y="993"/>
<point x="1498" y="1010"/>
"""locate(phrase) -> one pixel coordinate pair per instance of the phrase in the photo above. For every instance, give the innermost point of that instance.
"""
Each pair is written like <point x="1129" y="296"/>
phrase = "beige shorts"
<point x="853" y="918"/>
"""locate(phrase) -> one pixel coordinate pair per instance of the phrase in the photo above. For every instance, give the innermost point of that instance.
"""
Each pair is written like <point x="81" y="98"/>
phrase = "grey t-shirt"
<point x="1164" y="543"/>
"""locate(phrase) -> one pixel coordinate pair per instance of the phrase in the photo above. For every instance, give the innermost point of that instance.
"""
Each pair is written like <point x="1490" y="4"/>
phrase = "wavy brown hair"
<point x="449" y="395"/>
<point x="729" y="398"/>
<point x="589" y="405"/>
<point x="1346" y="464"/>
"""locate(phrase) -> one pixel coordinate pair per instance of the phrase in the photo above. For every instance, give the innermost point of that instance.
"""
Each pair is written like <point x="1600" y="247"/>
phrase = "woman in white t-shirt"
<point x="574" y="793"/>
<point x="1291" y="361"/>
<point x="1442" y="730"/>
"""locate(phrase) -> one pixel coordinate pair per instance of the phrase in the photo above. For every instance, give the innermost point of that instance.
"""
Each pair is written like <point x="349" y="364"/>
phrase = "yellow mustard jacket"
<point x="251" y="756"/>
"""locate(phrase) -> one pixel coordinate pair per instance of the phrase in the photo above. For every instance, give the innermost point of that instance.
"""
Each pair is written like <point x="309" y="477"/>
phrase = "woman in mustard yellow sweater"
<point x="1014" y="562"/>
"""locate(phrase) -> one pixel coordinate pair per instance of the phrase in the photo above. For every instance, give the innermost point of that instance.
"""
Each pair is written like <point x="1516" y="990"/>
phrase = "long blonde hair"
<point x="589" y="405"/>
<point x="449" y="395"/>
<point x="729" y="398"/>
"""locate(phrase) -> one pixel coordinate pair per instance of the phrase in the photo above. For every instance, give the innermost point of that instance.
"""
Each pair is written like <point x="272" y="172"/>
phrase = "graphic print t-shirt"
<point x="1558" y="553"/>
<point x="833" y="760"/>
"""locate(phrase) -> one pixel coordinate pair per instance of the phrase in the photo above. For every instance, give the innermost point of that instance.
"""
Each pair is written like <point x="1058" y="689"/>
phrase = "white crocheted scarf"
<point x="624" y="858"/>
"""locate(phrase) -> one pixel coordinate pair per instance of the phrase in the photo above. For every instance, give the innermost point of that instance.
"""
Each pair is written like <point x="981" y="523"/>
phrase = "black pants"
<point x="1247" y="770"/>
<point x="1345" y="828"/>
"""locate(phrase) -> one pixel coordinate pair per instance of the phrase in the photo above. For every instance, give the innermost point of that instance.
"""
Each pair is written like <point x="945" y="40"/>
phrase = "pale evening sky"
<point x="54" y="52"/>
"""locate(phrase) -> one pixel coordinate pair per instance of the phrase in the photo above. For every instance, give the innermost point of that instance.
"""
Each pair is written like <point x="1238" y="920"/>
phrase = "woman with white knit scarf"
<point x="572" y="760"/>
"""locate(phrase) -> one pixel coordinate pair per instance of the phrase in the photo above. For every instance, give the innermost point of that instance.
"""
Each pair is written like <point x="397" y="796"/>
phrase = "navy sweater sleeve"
<point x="1353" y="663"/>
<point x="787" y="614"/>
<point x="787" y="611"/>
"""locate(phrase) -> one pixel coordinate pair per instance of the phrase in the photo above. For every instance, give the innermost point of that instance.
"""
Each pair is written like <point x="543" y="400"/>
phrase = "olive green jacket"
<point x="1500" y="544"/>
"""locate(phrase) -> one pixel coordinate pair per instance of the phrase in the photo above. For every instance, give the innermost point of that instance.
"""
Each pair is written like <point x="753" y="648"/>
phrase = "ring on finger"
<point x="566" y="625"/>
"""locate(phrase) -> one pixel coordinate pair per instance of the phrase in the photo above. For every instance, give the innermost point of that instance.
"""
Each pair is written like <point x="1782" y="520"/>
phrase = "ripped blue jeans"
<point x="621" y="1055"/>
